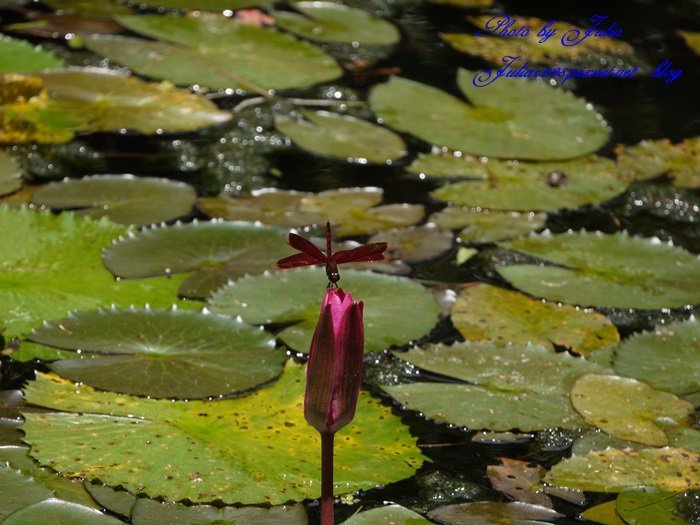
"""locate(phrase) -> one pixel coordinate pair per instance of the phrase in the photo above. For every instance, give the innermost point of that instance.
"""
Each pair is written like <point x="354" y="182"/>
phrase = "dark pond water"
<point x="638" y="108"/>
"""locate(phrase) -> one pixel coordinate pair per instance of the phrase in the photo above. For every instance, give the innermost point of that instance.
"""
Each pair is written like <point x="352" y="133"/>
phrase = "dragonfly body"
<point x="311" y="255"/>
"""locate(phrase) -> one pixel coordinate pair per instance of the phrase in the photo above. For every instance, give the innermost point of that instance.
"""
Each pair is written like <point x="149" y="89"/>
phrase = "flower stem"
<point x="327" y="478"/>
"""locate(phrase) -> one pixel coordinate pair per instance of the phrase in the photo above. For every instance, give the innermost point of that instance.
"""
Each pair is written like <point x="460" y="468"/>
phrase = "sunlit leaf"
<point x="216" y="52"/>
<point x="543" y="186"/>
<point x="448" y="165"/>
<point x="388" y="515"/>
<point x="211" y="450"/>
<point x="342" y="136"/>
<point x="121" y="198"/>
<point x="692" y="39"/>
<point x="651" y="158"/>
<point x="667" y="358"/>
<point x="396" y="309"/>
<point x="206" y="5"/>
<point x="414" y="244"/>
<point x="605" y="514"/>
<point x="487" y="225"/>
<point x="483" y="312"/>
<point x="614" y="270"/>
<point x="649" y="506"/>
<point x="19" y="56"/>
<point x="51" y="264"/>
<point x="613" y="470"/>
<point x="162" y="353"/>
<point x="218" y="251"/>
<point x="512" y="118"/>
<point x="627" y="408"/>
<point x="335" y="22"/>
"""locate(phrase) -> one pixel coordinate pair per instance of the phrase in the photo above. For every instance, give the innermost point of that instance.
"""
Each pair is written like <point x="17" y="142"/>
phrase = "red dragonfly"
<point x="311" y="255"/>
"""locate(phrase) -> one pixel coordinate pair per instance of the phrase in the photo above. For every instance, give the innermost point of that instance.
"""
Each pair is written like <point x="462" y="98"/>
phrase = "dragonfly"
<point x="311" y="255"/>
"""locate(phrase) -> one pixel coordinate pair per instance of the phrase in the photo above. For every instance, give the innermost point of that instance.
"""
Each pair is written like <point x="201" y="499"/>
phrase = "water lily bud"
<point x="334" y="370"/>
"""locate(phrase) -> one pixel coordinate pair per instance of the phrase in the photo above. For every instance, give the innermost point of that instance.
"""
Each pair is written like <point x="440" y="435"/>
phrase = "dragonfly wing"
<point x="299" y="243"/>
<point x="365" y="253"/>
<point x="299" y="259"/>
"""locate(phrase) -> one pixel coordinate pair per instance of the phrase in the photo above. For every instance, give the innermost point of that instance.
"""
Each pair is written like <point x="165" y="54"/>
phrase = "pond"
<point x="531" y="350"/>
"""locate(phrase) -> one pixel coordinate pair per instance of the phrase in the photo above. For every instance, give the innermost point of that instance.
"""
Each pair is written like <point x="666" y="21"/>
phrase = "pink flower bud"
<point x="334" y="370"/>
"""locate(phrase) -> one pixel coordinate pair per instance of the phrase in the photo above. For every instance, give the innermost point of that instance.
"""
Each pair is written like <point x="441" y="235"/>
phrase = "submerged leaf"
<point x="614" y="270"/>
<point x="512" y="118"/>
<point x="210" y="450"/>
<point x="121" y="198"/>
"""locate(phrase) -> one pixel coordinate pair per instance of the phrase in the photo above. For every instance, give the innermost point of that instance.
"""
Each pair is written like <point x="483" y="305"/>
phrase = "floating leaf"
<point x="651" y="158"/>
<point x="162" y="353"/>
<point x="10" y="174"/>
<point x="519" y="480"/>
<point x="627" y="408"/>
<point x="521" y="387"/>
<point x="59" y="511"/>
<point x="667" y="358"/>
<point x="121" y="198"/>
<point x="342" y="136"/>
<point x="684" y="437"/>
<point x="65" y="102"/>
<point x="605" y="513"/>
<point x="388" y="515"/>
<point x="613" y="470"/>
<point x="483" y="312"/>
<point x="63" y="26"/>
<point x="396" y="309"/>
<point x="606" y="270"/>
<point x="218" y="251"/>
<point x="467" y="4"/>
<point x="539" y="186"/>
<point x="99" y="8"/>
<point x="216" y="52"/>
<point x="487" y="225"/>
<point x="117" y="501"/>
<point x="415" y="244"/>
<point x="333" y="22"/>
<point x="206" y="5"/>
<point x="211" y="450"/>
<point x="353" y="211"/>
<point x="149" y="512"/>
<point x="692" y="40"/>
<point x="19" y="491"/>
<point x="448" y="165"/>
<point x="596" y="439"/>
<point x="51" y="264"/>
<point x="19" y="56"/>
<point x="649" y="506"/>
<point x="532" y="48"/>
<point x="492" y="512"/>
<point x="512" y="118"/>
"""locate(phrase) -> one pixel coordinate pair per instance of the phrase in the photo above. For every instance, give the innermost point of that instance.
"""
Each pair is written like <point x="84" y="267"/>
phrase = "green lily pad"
<point x="342" y="136"/>
<point x="531" y="48"/>
<point x="493" y="513"/>
<point x="596" y="439"/>
<point x="98" y="8"/>
<point x="19" y="56"/>
<point x="686" y="438"/>
<point x="651" y="158"/>
<point x="449" y="165"/>
<point x="649" y="506"/>
<point x="10" y="174"/>
<point x="667" y="358"/>
<point x="17" y="457"/>
<point x="51" y="264"/>
<point x="217" y="251"/>
<point x="216" y="52"/>
<point x="149" y="512"/>
<point x="55" y="510"/>
<point x="613" y="470"/>
<point x="513" y="118"/>
<point x="523" y="387"/>
<point x="614" y="270"/>
<point x="211" y="450"/>
<point x="117" y="501"/>
<point x="487" y="225"/>
<point x="396" y="309"/>
<point x="467" y="4"/>
<point x="353" y="211"/>
<point x="162" y="353"/>
<point x="19" y="491"/>
<point x="628" y="409"/>
<point x="333" y="22"/>
<point x="415" y="244"/>
<point x="483" y="312"/>
<point x="605" y="513"/>
<point x="388" y="515"/>
<point x="538" y="186"/>
<point x="124" y="199"/>
<point x="57" y="104"/>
